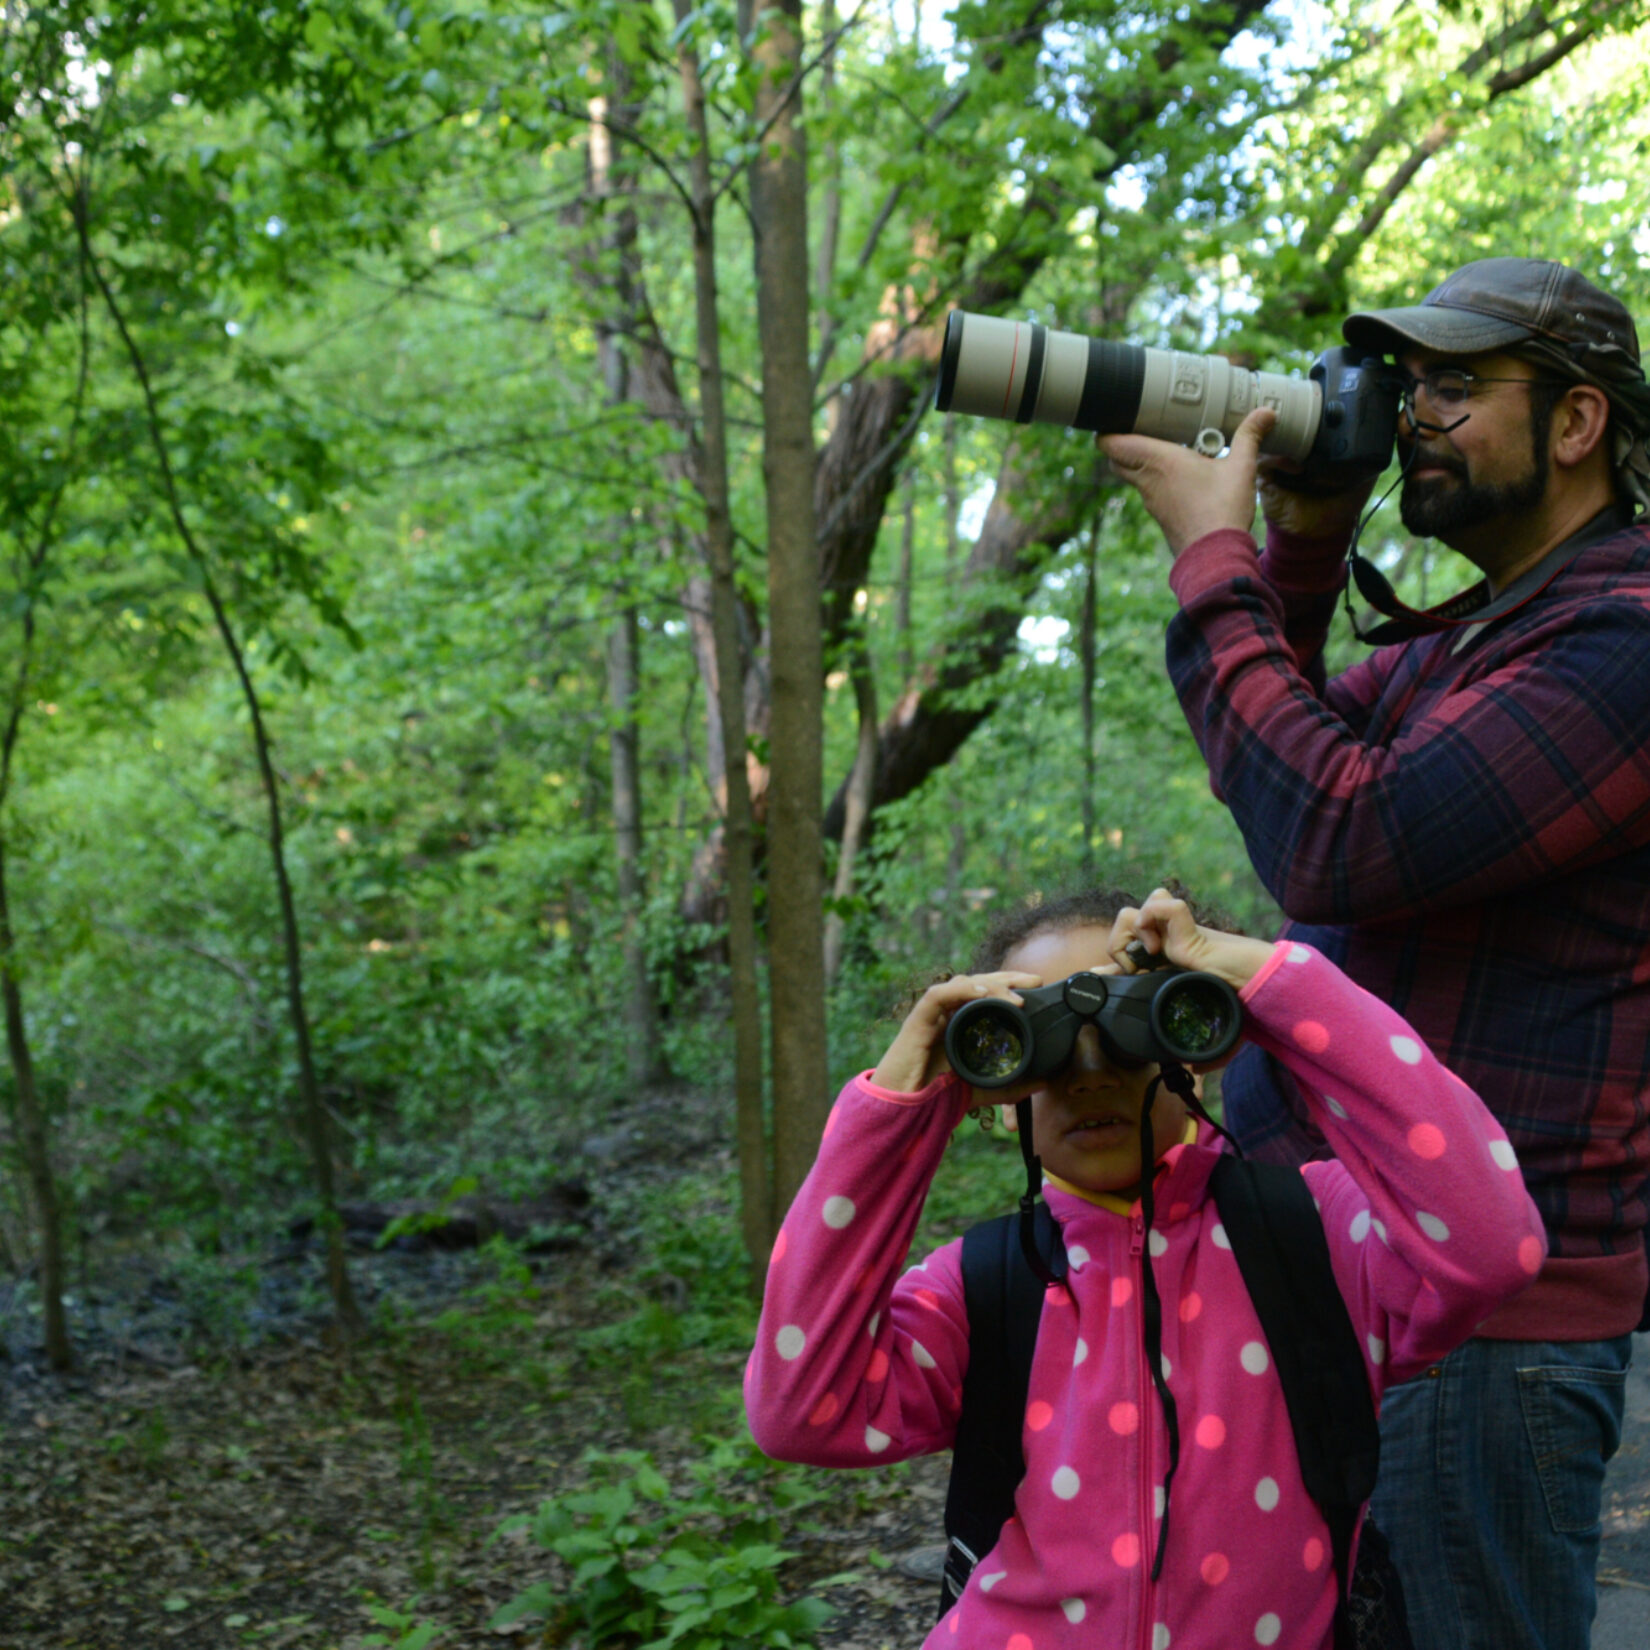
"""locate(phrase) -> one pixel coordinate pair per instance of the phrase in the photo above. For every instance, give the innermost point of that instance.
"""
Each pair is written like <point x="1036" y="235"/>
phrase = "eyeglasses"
<point x="1450" y="386"/>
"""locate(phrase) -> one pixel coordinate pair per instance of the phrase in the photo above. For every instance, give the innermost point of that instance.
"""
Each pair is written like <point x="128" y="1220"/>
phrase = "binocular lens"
<point x="990" y="1047"/>
<point x="1195" y="1018"/>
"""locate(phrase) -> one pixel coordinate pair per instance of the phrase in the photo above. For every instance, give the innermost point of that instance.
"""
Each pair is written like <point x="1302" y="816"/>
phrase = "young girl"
<point x="1429" y="1229"/>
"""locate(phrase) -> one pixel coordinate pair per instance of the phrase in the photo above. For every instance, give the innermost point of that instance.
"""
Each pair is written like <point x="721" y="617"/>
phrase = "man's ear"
<point x="1579" y="422"/>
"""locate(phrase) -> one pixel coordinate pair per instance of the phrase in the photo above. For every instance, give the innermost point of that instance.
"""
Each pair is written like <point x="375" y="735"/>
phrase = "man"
<point x="1462" y="821"/>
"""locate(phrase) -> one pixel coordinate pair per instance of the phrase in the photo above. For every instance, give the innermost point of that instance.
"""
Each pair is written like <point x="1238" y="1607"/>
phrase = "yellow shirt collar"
<point x="1108" y="1200"/>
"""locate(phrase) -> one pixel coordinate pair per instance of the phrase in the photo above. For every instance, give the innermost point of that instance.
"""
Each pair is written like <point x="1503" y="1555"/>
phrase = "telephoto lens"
<point x="1168" y="1014"/>
<point x="1031" y="374"/>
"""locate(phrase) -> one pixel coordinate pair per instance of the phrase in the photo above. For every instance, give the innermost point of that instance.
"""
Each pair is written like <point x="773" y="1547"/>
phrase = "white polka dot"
<point x="923" y="1357"/>
<point x="1268" y="1628"/>
<point x="1253" y="1357"/>
<point x="1158" y="1244"/>
<point x="1159" y="1501"/>
<point x="1074" y="1609"/>
<point x="1266" y="1494"/>
<point x="1360" y="1226"/>
<point x="1377" y="1349"/>
<point x="1219" y="1237"/>
<point x="790" y="1340"/>
<point x="876" y="1442"/>
<point x="1080" y="1353"/>
<point x="990" y="1581"/>
<point x="1299" y="954"/>
<point x="838" y="1211"/>
<point x="871" y="1327"/>
<point x="1168" y="1369"/>
<point x="1077" y="1257"/>
<point x="1502" y="1155"/>
<point x="1066" y="1483"/>
<point x="1432" y="1226"/>
<point x="1336" y="1109"/>
<point x="1409" y="1051"/>
<point x="1380" y="1232"/>
<point x="1160" y="1637"/>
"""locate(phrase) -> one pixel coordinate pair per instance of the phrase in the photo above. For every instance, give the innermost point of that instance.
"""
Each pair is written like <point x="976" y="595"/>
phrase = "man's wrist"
<point x="1226" y="553"/>
<point x="1305" y="563"/>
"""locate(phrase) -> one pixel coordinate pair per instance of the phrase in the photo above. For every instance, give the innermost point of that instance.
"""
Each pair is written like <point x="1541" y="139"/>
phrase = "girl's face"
<point x="1085" y="1119"/>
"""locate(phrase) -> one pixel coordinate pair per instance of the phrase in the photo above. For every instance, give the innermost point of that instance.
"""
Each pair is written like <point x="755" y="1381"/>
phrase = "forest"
<point x="507" y="682"/>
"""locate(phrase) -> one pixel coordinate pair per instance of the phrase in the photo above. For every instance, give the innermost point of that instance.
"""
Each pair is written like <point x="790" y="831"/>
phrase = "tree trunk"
<point x="1086" y="642"/>
<point x="33" y="1136"/>
<point x="902" y="580"/>
<point x="779" y="213"/>
<point x="643" y="1066"/>
<point x="757" y="1215"/>
<point x="861" y="785"/>
<point x="641" y="1021"/>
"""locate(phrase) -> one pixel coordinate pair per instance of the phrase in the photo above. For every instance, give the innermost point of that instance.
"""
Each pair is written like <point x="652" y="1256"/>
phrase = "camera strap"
<point x="1474" y="605"/>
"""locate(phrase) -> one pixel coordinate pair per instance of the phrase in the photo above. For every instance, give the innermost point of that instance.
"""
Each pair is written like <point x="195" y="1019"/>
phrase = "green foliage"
<point x="406" y="1631"/>
<point x="355" y="248"/>
<point x="651" y="1566"/>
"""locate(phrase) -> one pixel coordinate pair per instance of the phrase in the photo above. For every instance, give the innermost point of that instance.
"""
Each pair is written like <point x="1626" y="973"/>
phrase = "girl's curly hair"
<point x="1077" y="908"/>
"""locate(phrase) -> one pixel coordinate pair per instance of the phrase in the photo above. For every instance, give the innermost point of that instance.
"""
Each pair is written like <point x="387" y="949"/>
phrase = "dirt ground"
<point x="273" y="1501"/>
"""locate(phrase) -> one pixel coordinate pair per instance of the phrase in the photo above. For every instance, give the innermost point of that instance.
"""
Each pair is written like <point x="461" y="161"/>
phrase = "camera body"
<point x="1170" y="1014"/>
<point x="1339" y="423"/>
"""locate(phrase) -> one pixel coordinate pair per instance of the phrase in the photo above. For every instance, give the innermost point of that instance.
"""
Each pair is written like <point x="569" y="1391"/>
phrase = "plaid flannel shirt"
<point x="1462" y="823"/>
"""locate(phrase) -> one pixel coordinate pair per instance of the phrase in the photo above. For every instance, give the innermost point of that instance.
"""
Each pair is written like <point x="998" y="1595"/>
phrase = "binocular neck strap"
<point x="1151" y="1303"/>
<point x="1028" y="1199"/>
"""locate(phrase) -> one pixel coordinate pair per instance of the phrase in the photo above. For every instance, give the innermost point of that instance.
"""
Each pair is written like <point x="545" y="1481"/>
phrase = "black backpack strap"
<point x="1278" y="1241"/>
<point x="1004" y="1300"/>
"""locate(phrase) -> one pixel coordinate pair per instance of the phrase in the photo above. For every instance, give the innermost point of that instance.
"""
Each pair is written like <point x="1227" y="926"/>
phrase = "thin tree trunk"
<point x="779" y="213"/>
<point x="902" y="581"/>
<point x="643" y="1066"/>
<point x="32" y="1132"/>
<point x="1087" y="630"/>
<point x="313" y="1115"/>
<point x="861" y="785"/>
<point x="757" y="1213"/>
<point x="641" y="1020"/>
<point x="830" y="216"/>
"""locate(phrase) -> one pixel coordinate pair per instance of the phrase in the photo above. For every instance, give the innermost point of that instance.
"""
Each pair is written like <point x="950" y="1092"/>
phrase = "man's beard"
<point x="1436" y="508"/>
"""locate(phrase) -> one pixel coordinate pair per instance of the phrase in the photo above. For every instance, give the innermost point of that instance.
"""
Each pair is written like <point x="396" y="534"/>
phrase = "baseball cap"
<point x="1498" y="302"/>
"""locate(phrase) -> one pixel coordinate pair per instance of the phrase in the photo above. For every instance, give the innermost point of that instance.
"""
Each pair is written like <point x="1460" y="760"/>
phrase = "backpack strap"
<point x="1004" y="1301"/>
<point x="1278" y="1242"/>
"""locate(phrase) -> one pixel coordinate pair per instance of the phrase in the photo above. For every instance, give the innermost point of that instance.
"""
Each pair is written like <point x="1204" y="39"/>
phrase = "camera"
<point x="1171" y="1014"/>
<point x="1339" y="423"/>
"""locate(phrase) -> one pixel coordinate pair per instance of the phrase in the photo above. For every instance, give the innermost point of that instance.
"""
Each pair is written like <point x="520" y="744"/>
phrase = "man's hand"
<point x="1188" y="495"/>
<point x="1309" y="515"/>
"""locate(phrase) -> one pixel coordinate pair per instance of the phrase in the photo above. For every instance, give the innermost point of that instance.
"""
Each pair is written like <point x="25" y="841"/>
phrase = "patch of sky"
<point x="971" y="512"/>
<point x="1042" y="636"/>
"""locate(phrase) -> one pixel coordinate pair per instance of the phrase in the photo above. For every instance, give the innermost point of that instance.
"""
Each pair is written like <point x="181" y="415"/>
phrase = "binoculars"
<point x="1338" y="423"/>
<point x="1169" y="1015"/>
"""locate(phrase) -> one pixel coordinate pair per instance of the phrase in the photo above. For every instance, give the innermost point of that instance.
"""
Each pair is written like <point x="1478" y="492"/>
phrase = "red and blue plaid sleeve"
<point x="1423" y="778"/>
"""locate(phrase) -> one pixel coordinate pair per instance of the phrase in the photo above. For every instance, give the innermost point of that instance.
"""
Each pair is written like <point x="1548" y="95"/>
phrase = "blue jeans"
<point x="1492" y="1476"/>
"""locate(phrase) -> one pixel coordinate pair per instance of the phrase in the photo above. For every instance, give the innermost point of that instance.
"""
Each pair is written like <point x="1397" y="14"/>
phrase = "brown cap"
<point x="1499" y="302"/>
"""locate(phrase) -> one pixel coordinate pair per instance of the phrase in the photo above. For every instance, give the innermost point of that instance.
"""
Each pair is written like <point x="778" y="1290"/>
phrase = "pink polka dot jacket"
<point x="1429" y="1229"/>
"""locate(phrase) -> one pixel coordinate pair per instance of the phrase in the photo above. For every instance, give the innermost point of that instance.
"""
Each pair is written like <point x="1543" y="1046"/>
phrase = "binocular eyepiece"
<point x="1171" y="1014"/>
<point x="1338" y="423"/>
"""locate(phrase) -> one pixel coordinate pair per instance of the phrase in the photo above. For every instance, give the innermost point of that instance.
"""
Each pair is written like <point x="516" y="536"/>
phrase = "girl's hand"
<point x="1166" y="927"/>
<point x="917" y="1054"/>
